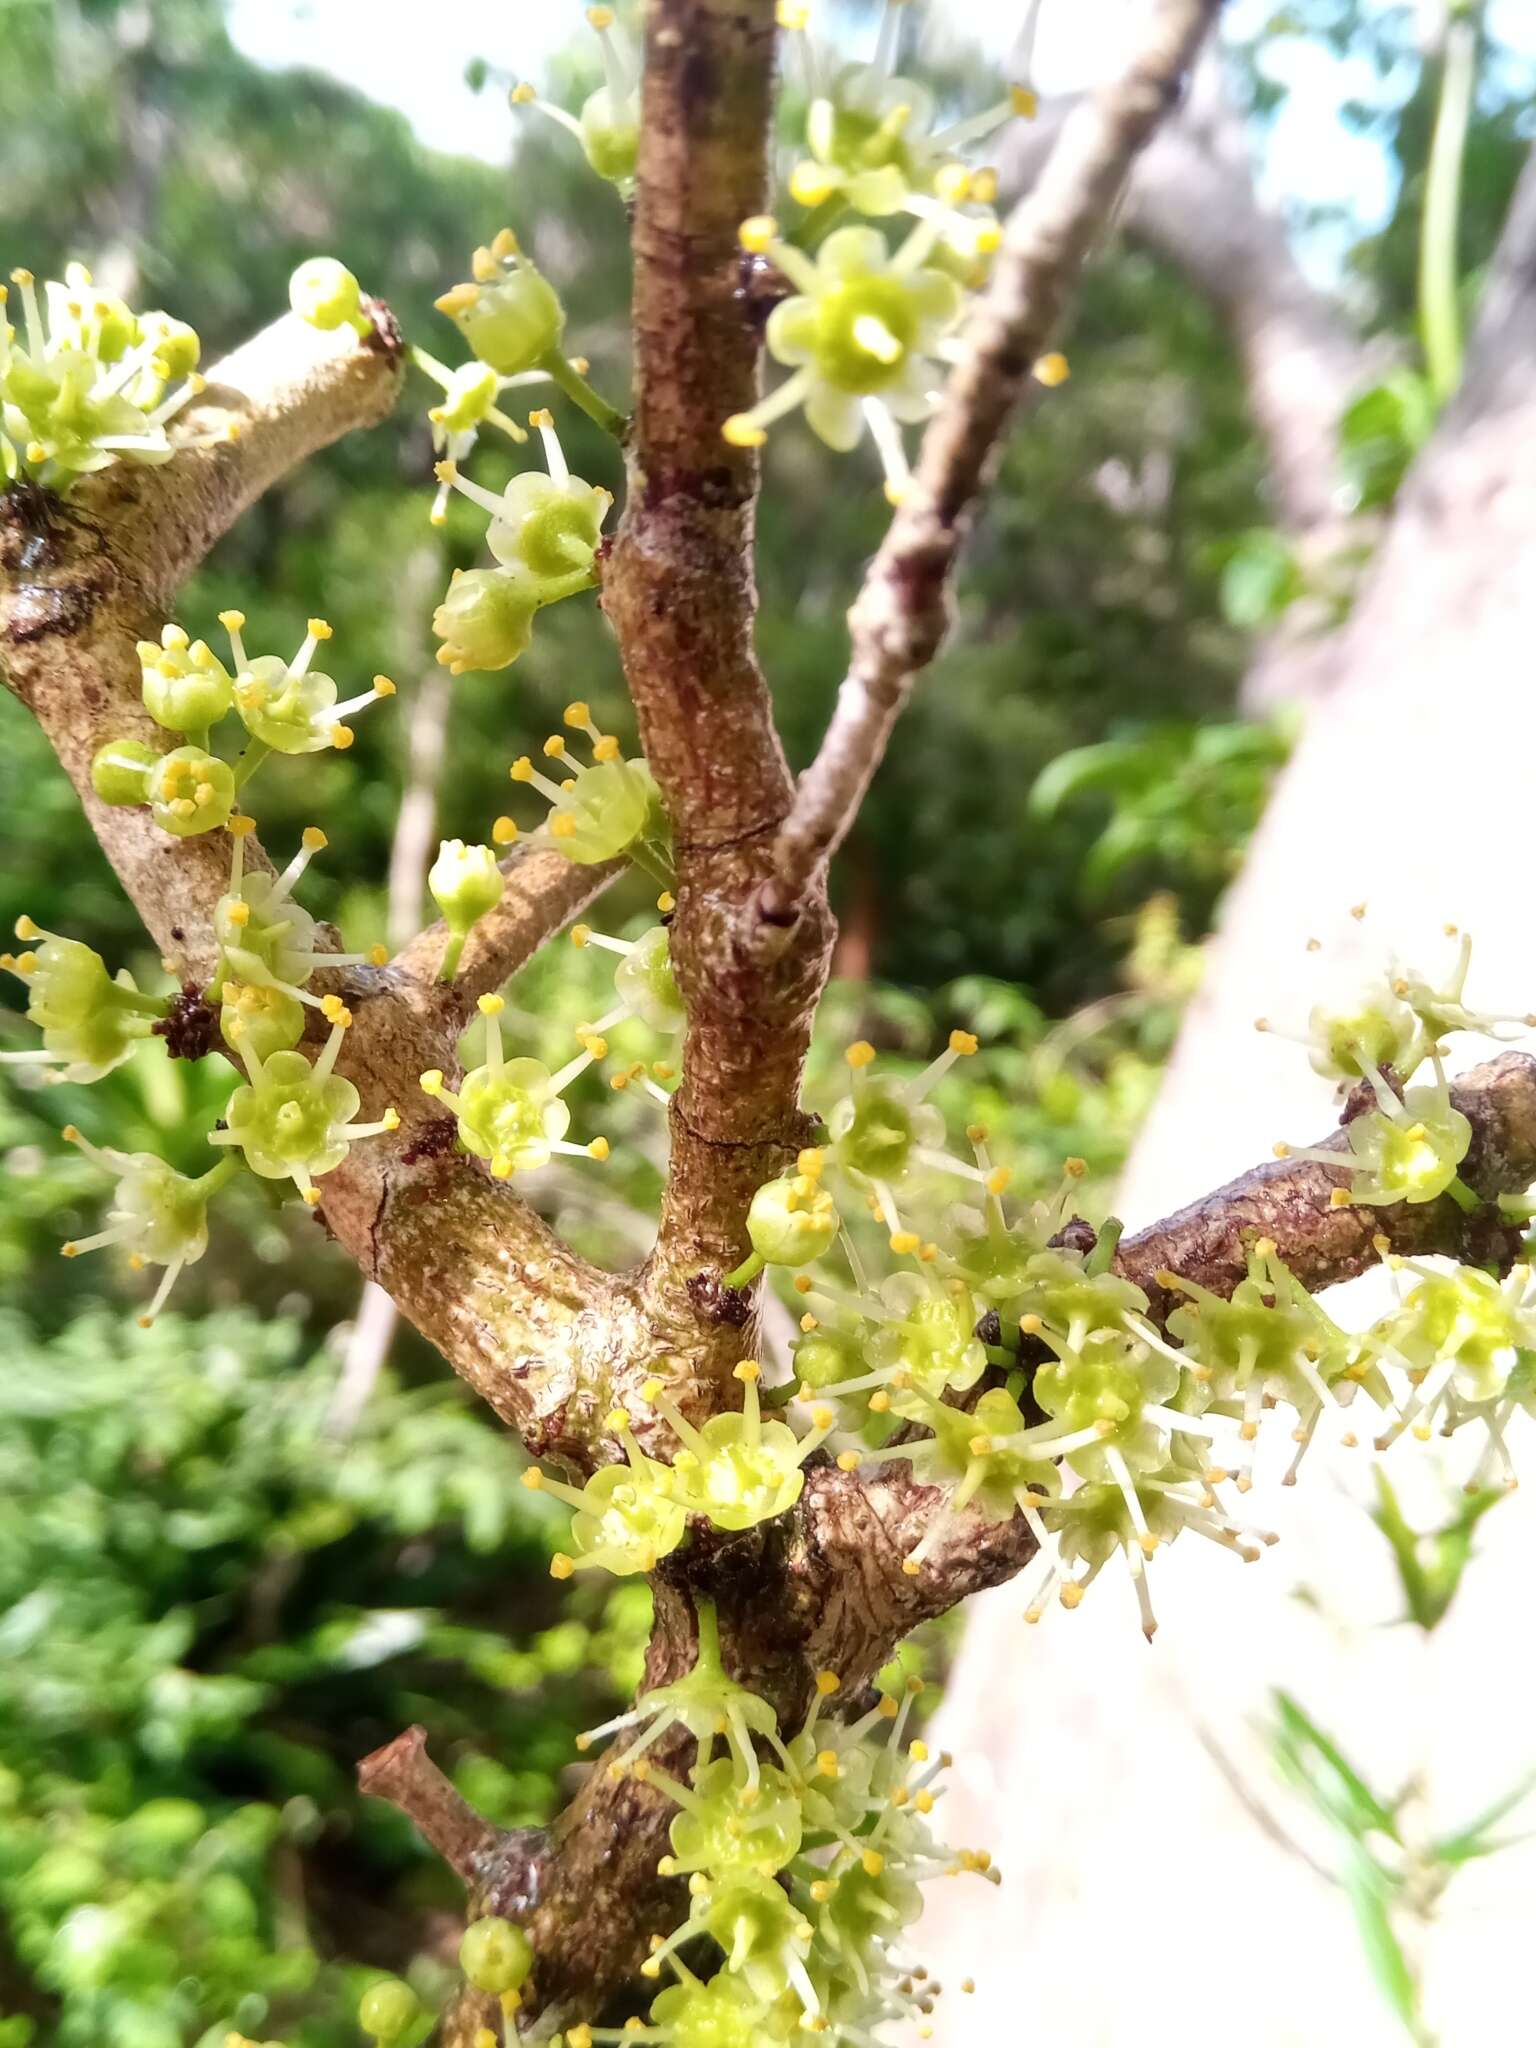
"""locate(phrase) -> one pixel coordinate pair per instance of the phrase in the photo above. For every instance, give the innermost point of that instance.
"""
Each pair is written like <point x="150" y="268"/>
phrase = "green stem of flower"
<point x="559" y="369"/>
<point x="818" y="223"/>
<point x="708" y="1658"/>
<point x="217" y="1176"/>
<point x="648" y="857"/>
<point x="429" y="365"/>
<point x="139" y="1004"/>
<point x="1000" y="1356"/>
<point x="1439" y="282"/>
<point x="746" y="1272"/>
<point x="1463" y="1196"/>
<point x="1102" y="1256"/>
<point x="451" y="952"/>
<point x="199" y="738"/>
<point x="256" y="751"/>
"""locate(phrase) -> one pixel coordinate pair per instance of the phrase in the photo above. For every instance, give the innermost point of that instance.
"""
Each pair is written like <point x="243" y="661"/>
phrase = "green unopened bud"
<point x="190" y="791"/>
<point x="327" y="295"/>
<point x="510" y="314"/>
<point x="495" y="1955"/>
<point x="792" y="1221"/>
<point x="485" y="620"/>
<point x="465" y="883"/>
<point x="120" y="771"/>
<point x="186" y="687"/>
<point x="386" y="2009"/>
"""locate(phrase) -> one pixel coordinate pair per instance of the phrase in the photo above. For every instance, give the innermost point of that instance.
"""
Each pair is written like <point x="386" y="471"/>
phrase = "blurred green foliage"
<point x="210" y="1608"/>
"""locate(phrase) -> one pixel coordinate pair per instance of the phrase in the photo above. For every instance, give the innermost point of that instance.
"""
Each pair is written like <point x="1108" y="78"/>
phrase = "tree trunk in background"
<point x="1138" y="1881"/>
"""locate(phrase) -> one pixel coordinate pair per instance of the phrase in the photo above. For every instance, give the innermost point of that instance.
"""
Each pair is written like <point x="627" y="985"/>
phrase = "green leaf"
<point x="1370" y="1892"/>
<point x="1430" y="1562"/>
<point x="1474" y="1840"/>
<point x="1260" y="579"/>
<point x="1318" y="1767"/>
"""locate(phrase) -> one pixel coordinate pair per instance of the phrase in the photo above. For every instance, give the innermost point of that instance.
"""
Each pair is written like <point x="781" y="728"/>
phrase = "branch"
<point x="536" y="1331"/>
<point x="902" y="614"/>
<point x="406" y="1776"/>
<point x="1497" y="376"/>
<point x="680" y="593"/>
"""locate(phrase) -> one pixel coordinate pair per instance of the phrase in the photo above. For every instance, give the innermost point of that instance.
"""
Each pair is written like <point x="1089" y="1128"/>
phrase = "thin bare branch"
<point x="406" y="1776"/>
<point x="902" y="613"/>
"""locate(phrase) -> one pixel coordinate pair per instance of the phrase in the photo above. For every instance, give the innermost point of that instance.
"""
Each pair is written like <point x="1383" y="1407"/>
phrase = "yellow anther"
<point x="561" y="1566"/>
<point x="554" y="746"/>
<point x="905" y="1242"/>
<point x="810" y="1162"/>
<point x="888" y="1708"/>
<point x="578" y="714"/>
<point x="239" y="826"/>
<point x="541" y="416"/>
<point x="483" y="266"/>
<point x="458" y="300"/>
<point x="848" y="1461"/>
<point x="26" y="929"/>
<point x="383" y="687"/>
<point x="741" y="431"/>
<point x="758" y="233"/>
<point x="911" y="1566"/>
<point x="749" y="1369"/>
<point x="1024" y="101"/>
<point x="980" y="1446"/>
<point x="491" y="1006"/>
<point x="378" y="956"/>
<point x="826" y="1763"/>
<point x="521" y="769"/>
<point x="1052" y="369"/>
<point x="1339" y="1198"/>
<point x="391" y="1119"/>
<point x="562" y="825"/>
<point x="533" y="1479"/>
<point x="872" y="1860"/>
<point x="599" y="1148"/>
<point x="600" y="17"/>
<point x="312" y="1197"/>
<point x="607" y="748"/>
<point x="792" y="14"/>
<point x="319" y="628"/>
<point x="504" y="831"/>
<point x="1071" y="1594"/>
<point x="827" y="1683"/>
<point x="503" y="244"/>
<point x="859" y="1054"/>
<point x="1074" y="1168"/>
<point x="998" y="1179"/>
<point x="314" y="840"/>
<point x="651" y="1389"/>
<point x="431" y="1082"/>
<point x="341" y="737"/>
<point x="879" y="1402"/>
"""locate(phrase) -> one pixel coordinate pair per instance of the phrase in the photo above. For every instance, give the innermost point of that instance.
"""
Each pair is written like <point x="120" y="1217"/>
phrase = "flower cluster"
<point x="294" y="1118"/>
<point x="804" y="1861"/>
<point x="286" y="707"/>
<point x="85" y="382"/>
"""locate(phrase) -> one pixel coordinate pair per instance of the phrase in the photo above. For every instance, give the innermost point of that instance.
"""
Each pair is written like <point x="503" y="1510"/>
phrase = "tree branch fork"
<point x="551" y="1342"/>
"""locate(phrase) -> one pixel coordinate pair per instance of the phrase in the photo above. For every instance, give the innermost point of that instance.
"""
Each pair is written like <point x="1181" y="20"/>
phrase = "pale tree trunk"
<point x="1136" y="1882"/>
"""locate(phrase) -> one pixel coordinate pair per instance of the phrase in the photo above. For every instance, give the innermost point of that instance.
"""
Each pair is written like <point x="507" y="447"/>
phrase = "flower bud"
<point x="258" y="1018"/>
<point x="495" y="1955"/>
<point x="120" y="771"/>
<point x="512" y="321"/>
<point x="465" y="883"/>
<point x="485" y="620"/>
<point x="186" y="687"/>
<point x="792" y="1221"/>
<point x="387" y="2008"/>
<point x="644" y="981"/>
<point x="190" y="791"/>
<point x="326" y="294"/>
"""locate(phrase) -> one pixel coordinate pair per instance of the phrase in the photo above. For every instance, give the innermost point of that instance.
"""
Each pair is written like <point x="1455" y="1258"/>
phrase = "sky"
<point x="413" y="59"/>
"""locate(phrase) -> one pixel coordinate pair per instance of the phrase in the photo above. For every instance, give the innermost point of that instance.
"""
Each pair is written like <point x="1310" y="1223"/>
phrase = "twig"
<point x="406" y="1776"/>
<point x="902" y="613"/>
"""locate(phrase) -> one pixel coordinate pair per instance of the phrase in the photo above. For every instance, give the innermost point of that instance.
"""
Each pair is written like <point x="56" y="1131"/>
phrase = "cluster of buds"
<point x="286" y="707"/>
<point x="804" y="1860"/>
<point x="85" y="382"/>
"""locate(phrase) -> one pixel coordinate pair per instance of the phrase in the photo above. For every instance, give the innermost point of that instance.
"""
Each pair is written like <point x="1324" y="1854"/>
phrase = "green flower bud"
<point x="644" y="982"/>
<point x="610" y="136"/>
<point x="495" y="1955"/>
<point x="190" y="791"/>
<point x="511" y="316"/>
<point x="120" y="771"/>
<point x="326" y="294"/>
<point x="465" y="883"/>
<point x="260" y="1017"/>
<point x="485" y="620"/>
<point x="89" y="1021"/>
<point x="792" y="1221"/>
<point x="186" y="687"/>
<point x="387" y="2009"/>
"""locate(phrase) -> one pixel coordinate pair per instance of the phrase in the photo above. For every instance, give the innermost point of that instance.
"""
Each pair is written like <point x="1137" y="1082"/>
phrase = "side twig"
<point x="902" y="614"/>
